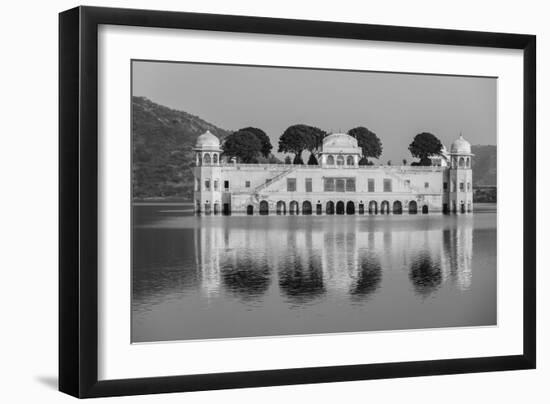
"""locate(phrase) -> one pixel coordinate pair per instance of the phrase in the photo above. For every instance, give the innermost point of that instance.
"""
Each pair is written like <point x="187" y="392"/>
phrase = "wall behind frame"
<point x="29" y="204"/>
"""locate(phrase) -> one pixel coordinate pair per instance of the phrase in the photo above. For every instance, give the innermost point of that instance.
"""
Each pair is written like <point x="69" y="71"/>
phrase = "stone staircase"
<point x="256" y="191"/>
<point x="393" y="174"/>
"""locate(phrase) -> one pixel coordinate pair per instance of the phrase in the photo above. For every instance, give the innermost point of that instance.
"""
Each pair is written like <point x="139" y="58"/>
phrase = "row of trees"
<point x="251" y="145"/>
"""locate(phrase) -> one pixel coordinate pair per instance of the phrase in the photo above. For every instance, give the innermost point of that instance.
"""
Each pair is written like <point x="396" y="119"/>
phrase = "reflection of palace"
<point x="337" y="185"/>
<point x="345" y="259"/>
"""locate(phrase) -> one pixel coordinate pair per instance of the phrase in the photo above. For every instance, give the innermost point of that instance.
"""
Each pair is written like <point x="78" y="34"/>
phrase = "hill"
<point x="484" y="165"/>
<point x="163" y="139"/>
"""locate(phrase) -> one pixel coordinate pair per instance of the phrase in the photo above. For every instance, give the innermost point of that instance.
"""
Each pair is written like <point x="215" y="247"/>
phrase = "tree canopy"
<point x="298" y="159"/>
<point x="367" y="140"/>
<point x="262" y="137"/>
<point x="425" y="145"/>
<point x="312" y="160"/>
<point x="244" y="145"/>
<point x="297" y="138"/>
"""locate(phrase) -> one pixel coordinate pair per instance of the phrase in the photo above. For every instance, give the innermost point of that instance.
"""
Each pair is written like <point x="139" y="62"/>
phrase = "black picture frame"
<point x="78" y="201"/>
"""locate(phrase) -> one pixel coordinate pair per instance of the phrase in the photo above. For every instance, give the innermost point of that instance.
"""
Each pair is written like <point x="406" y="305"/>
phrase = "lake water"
<point x="242" y="276"/>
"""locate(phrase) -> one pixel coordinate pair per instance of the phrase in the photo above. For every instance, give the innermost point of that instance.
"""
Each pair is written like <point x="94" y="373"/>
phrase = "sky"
<point x="395" y="106"/>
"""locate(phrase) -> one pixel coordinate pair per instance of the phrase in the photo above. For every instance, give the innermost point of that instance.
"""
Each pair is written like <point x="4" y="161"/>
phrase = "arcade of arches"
<point x="340" y="208"/>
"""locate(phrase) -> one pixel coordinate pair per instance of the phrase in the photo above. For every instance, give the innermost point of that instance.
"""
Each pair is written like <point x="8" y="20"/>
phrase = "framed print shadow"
<point x="250" y="201"/>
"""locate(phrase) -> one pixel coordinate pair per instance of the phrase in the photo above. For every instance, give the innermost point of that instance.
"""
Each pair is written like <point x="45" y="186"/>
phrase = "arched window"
<point x="306" y="208"/>
<point x="294" y="208"/>
<point x="468" y="162"/>
<point x="340" y="209"/>
<point x="330" y="208"/>
<point x="413" y="208"/>
<point x="349" y="161"/>
<point x="264" y="208"/>
<point x="215" y="158"/>
<point x="330" y="160"/>
<point x="373" y="208"/>
<point x="340" y="160"/>
<point x="281" y="208"/>
<point x="206" y="159"/>
<point x="397" y="208"/>
<point x="350" y="208"/>
<point x="461" y="162"/>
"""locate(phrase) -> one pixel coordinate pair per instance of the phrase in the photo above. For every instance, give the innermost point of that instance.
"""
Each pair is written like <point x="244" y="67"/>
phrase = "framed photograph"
<point x="251" y="201"/>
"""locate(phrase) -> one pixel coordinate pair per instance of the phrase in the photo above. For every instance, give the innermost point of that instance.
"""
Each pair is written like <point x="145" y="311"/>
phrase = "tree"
<point x="404" y="162"/>
<point x="288" y="160"/>
<point x="312" y="160"/>
<point x="244" y="145"/>
<point x="423" y="146"/>
<point x="297" y="138"/>
<point x="262" y="137"/>
<point x="298" y="159"/>
<point x="389" y="162"/>
<point x="369" y="143"/>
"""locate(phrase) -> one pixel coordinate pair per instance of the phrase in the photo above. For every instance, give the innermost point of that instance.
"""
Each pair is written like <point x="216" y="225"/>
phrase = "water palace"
<point x="338" y="185"/>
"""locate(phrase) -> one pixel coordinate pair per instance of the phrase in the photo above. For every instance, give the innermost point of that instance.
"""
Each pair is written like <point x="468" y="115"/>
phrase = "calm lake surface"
<point x="242" y="276"/>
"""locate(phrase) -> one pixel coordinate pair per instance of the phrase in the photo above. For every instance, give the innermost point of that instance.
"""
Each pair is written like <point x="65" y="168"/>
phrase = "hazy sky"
<point x="394" y="106"/>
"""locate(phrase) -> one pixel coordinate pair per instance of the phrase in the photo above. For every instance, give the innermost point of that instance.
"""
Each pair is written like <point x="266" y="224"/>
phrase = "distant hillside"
<point x="163" y="139"/>
<point x="484" y="165"/>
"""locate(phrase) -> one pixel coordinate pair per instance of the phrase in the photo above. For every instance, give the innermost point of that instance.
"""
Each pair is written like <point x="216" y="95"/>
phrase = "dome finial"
<point x="207" y="141"/>
<point x="461" y="146"/>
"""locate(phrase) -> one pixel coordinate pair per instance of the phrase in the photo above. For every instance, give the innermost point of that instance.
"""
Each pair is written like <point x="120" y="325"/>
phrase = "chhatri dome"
<point x="461" y="146"/>
<point x="207" y="141"/>
<point x="340" y="143"/>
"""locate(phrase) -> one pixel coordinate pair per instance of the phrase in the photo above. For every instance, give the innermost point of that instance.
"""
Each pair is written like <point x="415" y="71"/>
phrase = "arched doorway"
<point x="306" y="208"/>
<point x="397" y="208"/>
<point x="413" y="208"/>
<point x="340" y="208"/>
<point x="350" y="208"/>
<point x="385" y="207"/>
<point x="330" y="208"/>
<point x="462" y="207"/>
<point x="293" y="208"/>
<point x="425" y="209"/>
<point x="361" y="209"/>
<point x="281" y="208"/>
<point x="264" y="208"/>
<point x="373" y="208"/>
<point x="250" y="210"/>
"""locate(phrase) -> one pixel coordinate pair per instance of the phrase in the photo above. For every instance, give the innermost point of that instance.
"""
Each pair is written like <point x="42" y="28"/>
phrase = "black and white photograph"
<point x="276" y="201"/>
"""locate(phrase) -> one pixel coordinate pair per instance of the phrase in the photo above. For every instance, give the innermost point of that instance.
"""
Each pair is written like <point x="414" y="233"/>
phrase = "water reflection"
<point x="369" y="277"/>
<point x="301" y="282"/>
<point x="347" y="258"/>
<point x="246" y="278"/>
<point x="217" y="277"/>
<point x="425" y="274"/>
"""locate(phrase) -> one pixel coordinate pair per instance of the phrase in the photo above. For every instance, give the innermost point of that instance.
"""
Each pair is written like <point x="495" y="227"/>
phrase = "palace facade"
<point x="338" y="185"/>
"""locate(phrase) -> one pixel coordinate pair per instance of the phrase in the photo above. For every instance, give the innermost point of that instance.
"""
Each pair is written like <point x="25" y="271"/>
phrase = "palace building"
<point x="338" y="185"/>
